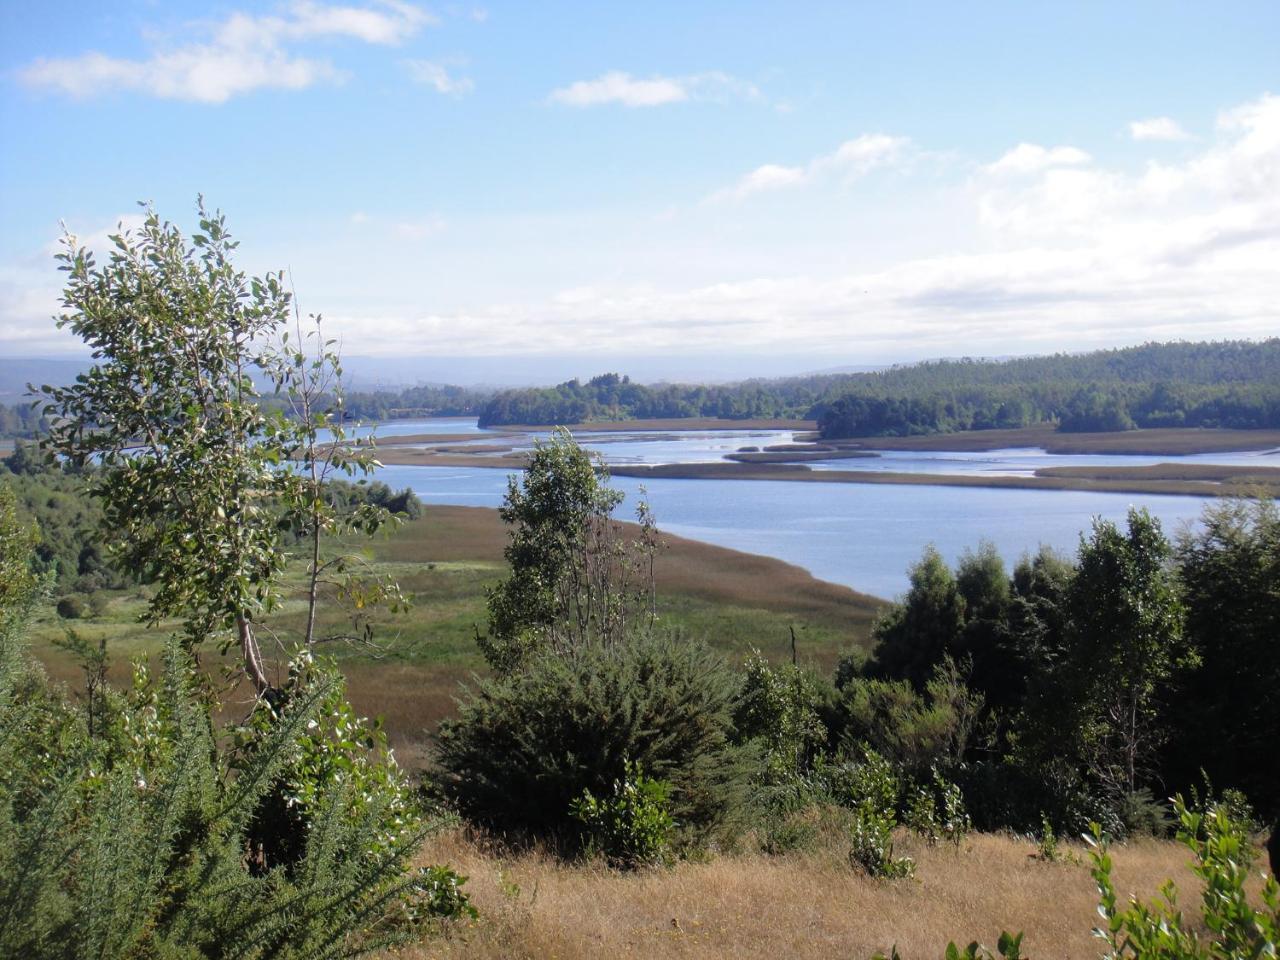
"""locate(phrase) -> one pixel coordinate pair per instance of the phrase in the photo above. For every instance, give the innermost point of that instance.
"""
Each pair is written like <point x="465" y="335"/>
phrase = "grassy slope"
<point x="801" y="905"/>
<point x="445" y="561"/>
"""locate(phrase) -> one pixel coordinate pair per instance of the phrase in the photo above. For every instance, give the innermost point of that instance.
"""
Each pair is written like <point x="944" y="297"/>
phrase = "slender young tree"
<point x="576" y="577"/>
<point x="200" y="480"/>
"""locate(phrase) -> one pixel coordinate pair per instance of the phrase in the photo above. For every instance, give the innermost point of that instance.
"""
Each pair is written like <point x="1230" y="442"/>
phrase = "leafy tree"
<point x="197" y="481"/>
<point x="576" y="579"/>
<point x="915" y="634"/>
<point x="1126" y="625"/>
<point x="1228" y="723"/>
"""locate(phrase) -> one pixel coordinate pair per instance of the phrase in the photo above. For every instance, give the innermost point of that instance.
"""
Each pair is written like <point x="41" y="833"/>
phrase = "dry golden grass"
<point x="794" y="906"/>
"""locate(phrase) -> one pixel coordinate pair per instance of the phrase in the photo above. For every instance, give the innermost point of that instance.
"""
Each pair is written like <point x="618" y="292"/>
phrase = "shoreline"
<point x="1246" y="484"/>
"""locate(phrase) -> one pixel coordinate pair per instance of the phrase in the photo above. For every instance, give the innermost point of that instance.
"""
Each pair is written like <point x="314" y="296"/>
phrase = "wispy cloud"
<point x="1032" y="158"/>
<point x="617" y="87"/>
<point x="435" y="74"/>
<point x="241" y="54"/>
<point x="852" y="159"/>
<point x="1158" y="128"/>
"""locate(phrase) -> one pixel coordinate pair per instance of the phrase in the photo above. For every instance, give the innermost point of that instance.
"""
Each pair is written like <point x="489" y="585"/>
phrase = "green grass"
<point x="444" y="563"/>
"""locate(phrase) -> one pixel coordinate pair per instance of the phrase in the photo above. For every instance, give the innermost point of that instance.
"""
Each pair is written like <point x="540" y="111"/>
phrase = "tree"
<point x="577" y="579"/>
<point x="914" y="635"/>
<point x="1229" y="718"/>
<point x="199" y="482"/>
<point x="1126" y="626"/>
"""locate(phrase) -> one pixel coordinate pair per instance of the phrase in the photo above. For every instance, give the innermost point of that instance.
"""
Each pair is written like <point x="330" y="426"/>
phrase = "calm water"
<point x="862" y="536"/>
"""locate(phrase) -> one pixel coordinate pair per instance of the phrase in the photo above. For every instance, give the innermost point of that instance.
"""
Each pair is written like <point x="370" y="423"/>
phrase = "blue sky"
<point x="826" y="183"/>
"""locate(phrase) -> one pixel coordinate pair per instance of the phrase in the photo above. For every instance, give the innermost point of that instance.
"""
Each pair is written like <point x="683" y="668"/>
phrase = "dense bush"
<point x="630" y="826"/>
<point x="523" y="748"/>
<point x="139" y="843"/>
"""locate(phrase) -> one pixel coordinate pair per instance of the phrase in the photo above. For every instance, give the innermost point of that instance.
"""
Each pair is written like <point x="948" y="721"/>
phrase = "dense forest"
<point x="1226" y="384"/>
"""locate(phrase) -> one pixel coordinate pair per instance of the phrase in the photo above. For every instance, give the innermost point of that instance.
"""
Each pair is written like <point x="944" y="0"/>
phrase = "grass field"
<point x="444" y="562"/>
<point x="796" y="906"/>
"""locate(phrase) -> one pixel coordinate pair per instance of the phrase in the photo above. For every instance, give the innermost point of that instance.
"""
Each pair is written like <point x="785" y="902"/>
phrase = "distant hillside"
<point x="1226" y="384"/>
<point x="16" y="373"/>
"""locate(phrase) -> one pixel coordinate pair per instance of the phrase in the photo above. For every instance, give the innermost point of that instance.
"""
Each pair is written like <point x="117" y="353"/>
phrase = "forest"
<point x="1232" y="384"/>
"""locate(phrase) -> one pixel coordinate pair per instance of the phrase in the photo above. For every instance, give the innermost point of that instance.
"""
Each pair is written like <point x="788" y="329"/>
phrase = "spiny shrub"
<point x="630" y="827"/>
<point x="524" y="747"/>
<point x="138" y="843"/>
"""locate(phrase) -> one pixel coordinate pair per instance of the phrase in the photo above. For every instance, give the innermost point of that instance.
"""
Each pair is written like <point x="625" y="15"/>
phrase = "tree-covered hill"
<point x="1224" y="384"/>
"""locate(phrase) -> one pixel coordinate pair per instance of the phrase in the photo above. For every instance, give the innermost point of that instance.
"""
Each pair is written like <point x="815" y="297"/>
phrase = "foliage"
<point x="136" y="843"/>
<point x="1008" y="947"/>
<point x="936" y="811"/>
<point x="524" y="747"/>
<point x="55" y="498"/>
<point x="1225" y="384"/>
<point x="912" y="636"/>
<point x="198" y="482"/>
<point x="576" y="580"/>
<point x="339" y="752"/>
<point x="1154" y="931"/>
<point x="778" y="707"/>
<point x="437" y="895"/>
<point x="1229" y="571"/>
<point x="630" y="826"/>
<point x="917" y="731"/>
<point x="871" y="846"/>
<point x="1126" y="622"/>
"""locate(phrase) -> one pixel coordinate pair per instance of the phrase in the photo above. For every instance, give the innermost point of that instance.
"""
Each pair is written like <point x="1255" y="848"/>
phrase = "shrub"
<point x="779" y="708"/>
<point x="436" y="894"/>
<point x="936" y="811"/>
<point x="631" y="826"/>
<point x="871" y="846"/>
<point x="524" y="747"/>
<point x="138" y="844"/>
<point x="72" y="607"/>
<point x="1235" y="927"/>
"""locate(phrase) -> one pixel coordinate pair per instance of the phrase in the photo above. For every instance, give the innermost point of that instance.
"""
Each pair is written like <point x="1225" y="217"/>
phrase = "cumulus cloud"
<point x="1066" y="255"/>
<point x="1157" y="128"/>
<point x="619" y="87"/>
<point x="436" y="75"/>
<point x="243" y="53"/>
<point x="1031" y="158"/>
<point x="852" y="159"/>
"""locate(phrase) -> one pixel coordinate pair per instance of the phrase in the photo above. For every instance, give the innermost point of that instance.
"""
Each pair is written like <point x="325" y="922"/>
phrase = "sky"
<point x="690" y="187"/>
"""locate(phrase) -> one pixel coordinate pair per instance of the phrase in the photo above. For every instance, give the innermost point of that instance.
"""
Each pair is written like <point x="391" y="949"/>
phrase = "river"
<point x="863" y="536"/>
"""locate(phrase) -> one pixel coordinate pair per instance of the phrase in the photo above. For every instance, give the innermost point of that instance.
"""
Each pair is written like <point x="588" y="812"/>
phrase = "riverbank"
<point x="1162" y="478"/>
<point x="1165" y="442"/>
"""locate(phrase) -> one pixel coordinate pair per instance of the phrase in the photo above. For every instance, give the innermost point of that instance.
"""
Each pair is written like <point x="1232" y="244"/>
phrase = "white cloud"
<point x="435" y="74"/>
<point x="852" y="159"/>
<point x="1032" y="158"/>
<point x="1063" y="257"/>
<point x="619" y="87"/>
<point x="1158" y="128"/>
<point x="244" y="53"/>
